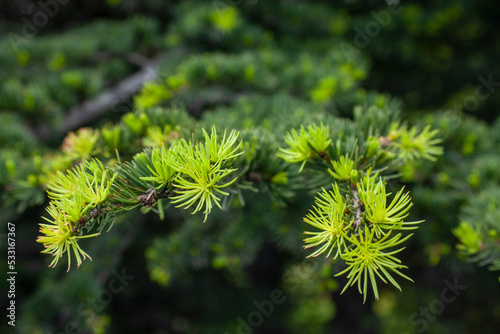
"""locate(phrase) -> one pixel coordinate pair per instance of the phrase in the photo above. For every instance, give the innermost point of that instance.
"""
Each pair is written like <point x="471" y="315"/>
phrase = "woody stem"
<point x="357" y="205"/>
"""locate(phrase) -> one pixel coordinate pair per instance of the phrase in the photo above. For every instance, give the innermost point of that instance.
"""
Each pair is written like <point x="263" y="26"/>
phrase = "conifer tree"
<point x="225" y="149"/>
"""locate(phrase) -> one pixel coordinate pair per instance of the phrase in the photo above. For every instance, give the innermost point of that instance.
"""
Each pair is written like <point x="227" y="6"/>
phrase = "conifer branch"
<point x="358" y="227"/>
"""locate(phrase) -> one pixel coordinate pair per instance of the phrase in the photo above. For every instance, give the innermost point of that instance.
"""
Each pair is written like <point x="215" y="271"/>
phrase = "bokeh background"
<point x="237" y="62"/>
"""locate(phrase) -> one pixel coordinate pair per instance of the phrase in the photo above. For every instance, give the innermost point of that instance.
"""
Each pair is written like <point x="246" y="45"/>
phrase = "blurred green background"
<point x="243" y="63"/>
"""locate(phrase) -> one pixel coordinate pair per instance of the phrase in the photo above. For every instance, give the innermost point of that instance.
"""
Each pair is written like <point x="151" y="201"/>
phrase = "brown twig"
<point x="357" y="205"/>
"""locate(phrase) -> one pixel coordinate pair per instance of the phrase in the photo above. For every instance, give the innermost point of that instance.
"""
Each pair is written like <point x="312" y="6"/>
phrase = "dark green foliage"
<point x="262" y="68"/>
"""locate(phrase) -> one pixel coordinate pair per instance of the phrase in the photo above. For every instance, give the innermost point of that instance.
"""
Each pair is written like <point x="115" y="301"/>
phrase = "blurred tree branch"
<point x="90" y="109"/>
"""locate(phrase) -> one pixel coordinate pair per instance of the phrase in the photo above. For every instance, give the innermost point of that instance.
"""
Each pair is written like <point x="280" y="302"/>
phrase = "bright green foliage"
<point x="412" y="145"/>
<point x="225" y="19"/>
<point x="202" y="169"/>
<point x="163" y="173"/>
<point x="356" y="217"/>
<point x="91" y="195"/>
<point x="305" y="144"/>
<point x="327" y="216"/>
<point x="326" y="88"/>
<point x="90" y="180"/>
<point x="81" y="145"/>
<point x="342" y="168"/>
<point x="137" y="122"/>
<point x="379" y="213"/>
<point x="151" y="95"/>
<point x="225" y="150"/>
<point x="59" y="237"/>
<point x="357" y="223"/>
<point x="470" y="239"/>
<point x="367" y="260"/>
<point x="156" y="136"/>
<point x="73" y="197"/>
